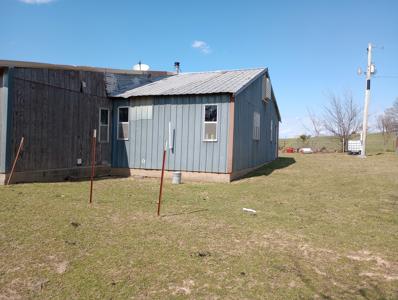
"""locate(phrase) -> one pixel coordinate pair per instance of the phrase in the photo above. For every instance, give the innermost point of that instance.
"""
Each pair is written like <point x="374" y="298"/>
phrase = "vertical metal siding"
<point x="190" y="153"/>
<point x="249" y="153"/>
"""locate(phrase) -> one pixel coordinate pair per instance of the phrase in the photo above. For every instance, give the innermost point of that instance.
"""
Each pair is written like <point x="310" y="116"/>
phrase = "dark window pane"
<point x="104" y="117"/>
<point x="211" y="113"/>
<point x="123" y="114"/>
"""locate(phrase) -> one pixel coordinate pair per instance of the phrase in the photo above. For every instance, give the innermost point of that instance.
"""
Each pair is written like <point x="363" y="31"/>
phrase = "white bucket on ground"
<point x="176" y="179"/>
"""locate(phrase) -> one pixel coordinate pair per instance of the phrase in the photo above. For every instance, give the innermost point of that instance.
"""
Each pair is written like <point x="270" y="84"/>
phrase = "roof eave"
<point x="265" y="71"/>
<point x="276" y="106"/>
<point x="30" y="64"/>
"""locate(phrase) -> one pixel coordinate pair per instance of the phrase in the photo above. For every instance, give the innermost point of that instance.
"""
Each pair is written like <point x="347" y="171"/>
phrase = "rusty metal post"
<point x="93" y="148"/>
<point x="15" y="160"/>
<point x="161" y="179"/>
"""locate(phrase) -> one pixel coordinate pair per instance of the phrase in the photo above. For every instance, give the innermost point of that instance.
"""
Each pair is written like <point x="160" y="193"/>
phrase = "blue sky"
<point x="311" y="47"/>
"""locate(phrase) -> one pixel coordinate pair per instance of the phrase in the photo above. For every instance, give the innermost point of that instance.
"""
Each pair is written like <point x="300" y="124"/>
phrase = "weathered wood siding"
<point x="144" y="148"/>
<point x="57" y="116"/>
<point x="250" y="153"/>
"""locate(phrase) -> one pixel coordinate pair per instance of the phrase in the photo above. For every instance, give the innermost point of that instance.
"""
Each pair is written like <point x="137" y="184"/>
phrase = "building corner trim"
<point x="230" y="149"/>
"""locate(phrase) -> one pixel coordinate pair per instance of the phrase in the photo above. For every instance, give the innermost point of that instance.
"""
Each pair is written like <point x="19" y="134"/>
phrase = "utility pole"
<point x="369" y="70"/>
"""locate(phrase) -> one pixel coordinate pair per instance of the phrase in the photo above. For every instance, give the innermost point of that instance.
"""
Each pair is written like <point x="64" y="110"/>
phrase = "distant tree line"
<point x="387" y="122"/>
<point x="342" y="118"/>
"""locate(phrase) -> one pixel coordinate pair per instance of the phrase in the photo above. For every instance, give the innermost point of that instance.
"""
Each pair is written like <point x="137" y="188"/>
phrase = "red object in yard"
<point x="289" y="150"/>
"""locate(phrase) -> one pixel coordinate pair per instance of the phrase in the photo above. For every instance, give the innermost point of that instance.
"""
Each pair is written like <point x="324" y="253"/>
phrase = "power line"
<point x="386" y="76"/>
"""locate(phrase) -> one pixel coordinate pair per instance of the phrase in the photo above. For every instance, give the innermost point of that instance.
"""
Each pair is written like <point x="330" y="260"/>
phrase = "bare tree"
<point x="385" y="124"/>
<point x="392" y="114"/>
<point x="342" y="117"/>
<point x="316" y="123"/>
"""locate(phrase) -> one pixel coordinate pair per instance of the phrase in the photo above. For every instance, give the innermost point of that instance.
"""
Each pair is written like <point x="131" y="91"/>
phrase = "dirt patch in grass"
<point x="61" y="267"/>
<point x="379" y="267"/>
<point x="183" y="289"/>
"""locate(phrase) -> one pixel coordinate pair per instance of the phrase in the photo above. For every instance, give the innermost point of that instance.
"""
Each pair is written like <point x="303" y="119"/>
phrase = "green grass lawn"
<point x="374" y="144"/>
<point x="326" y="227"/>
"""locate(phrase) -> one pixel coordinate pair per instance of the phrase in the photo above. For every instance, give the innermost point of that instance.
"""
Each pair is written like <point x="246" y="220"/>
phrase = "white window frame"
<point x="118" y="122"/>
<point x="266" y="89"/>
<point x="107" y="126"/>
<point x="272" y="130"/>
<point x="256" y="134"/>
<point x="209" y="122"/>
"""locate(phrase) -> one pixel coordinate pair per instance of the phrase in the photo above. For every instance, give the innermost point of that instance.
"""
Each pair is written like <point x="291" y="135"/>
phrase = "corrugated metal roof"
<point x="197" y="83"/>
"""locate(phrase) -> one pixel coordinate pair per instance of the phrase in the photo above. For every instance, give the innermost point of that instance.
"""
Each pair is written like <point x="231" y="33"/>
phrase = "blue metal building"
<point x="218" y="125"/>
<point x="223" y="122"/>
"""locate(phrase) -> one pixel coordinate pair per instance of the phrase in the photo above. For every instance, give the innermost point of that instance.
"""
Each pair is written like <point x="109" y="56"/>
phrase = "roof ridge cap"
<point x="219" y="71"/>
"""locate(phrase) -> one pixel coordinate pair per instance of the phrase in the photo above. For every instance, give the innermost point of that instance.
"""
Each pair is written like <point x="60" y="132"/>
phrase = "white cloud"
<point x="36" y="1"/>
<point x="202" y="46"/>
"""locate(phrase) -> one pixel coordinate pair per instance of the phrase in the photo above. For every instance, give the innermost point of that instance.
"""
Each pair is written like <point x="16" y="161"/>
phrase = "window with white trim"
<point x="210" y="122"/>
<point x="256" y="126"/>
<point x="272" y="130"/>
<point x="103" y="136"/>
<point x="123" y="123"/>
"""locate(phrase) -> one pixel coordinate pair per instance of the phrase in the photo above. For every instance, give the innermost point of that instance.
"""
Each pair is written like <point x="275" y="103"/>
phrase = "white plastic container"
<point x="354" y="147"/>
<point x="176" y="179"/>
<point x="306" y="150"/>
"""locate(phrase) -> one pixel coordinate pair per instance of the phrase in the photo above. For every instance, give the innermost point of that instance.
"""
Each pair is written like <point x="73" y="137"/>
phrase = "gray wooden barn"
<point x="217" y="125"/>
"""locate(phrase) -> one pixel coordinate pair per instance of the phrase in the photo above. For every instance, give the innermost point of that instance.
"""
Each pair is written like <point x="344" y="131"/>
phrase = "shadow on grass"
<point x="280" y="163"/>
